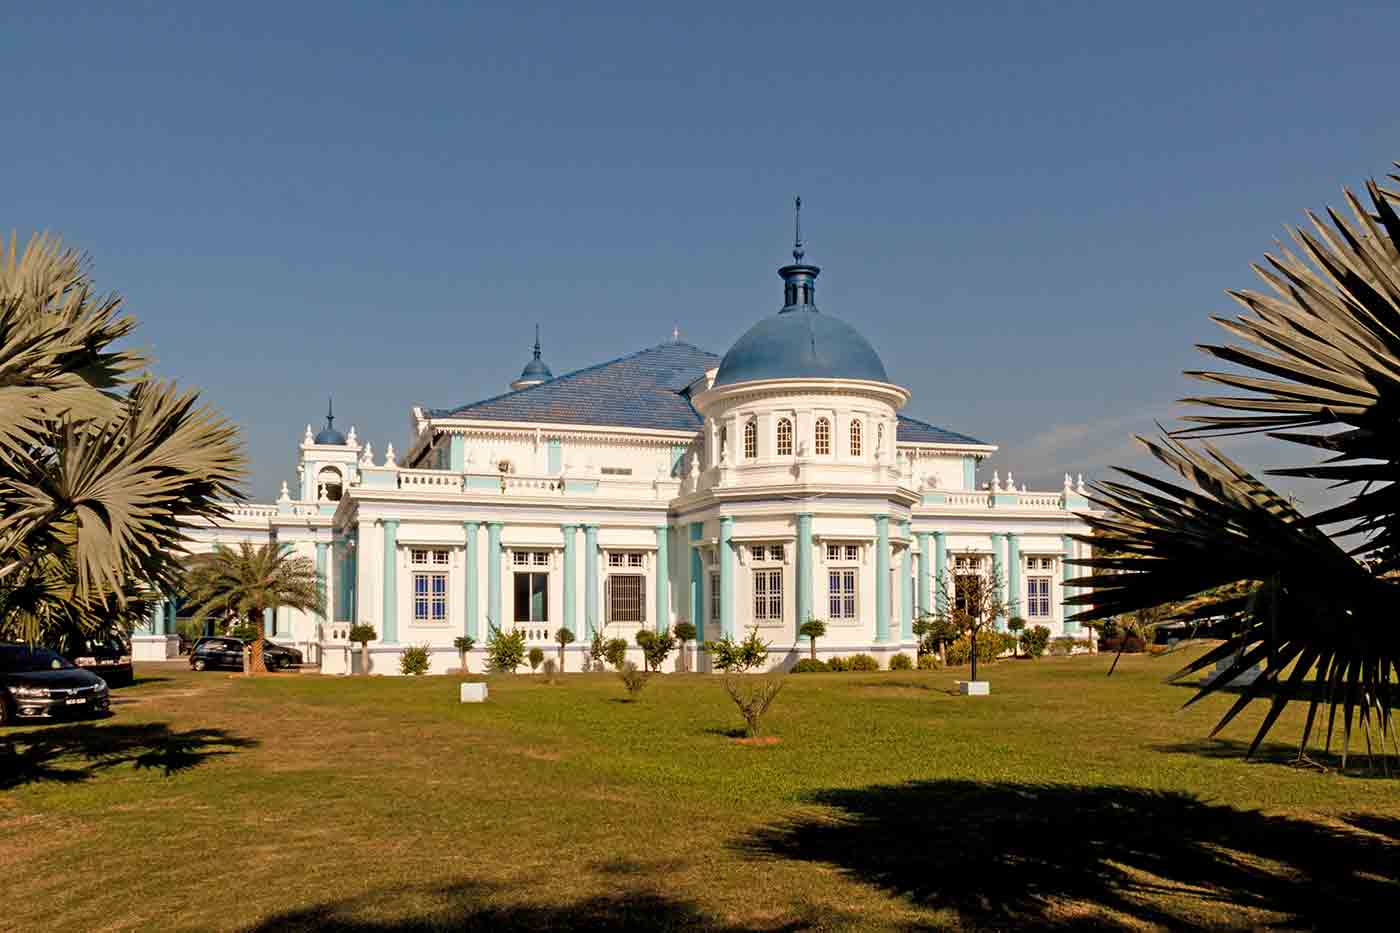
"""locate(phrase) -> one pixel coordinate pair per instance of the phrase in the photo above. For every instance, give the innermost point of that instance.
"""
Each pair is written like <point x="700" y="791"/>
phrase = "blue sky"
<point x="1029" y="209"/>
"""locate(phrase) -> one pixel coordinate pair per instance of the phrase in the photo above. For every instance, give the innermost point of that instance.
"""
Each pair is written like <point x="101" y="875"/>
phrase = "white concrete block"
<point x="975" y="688"/>
<point x="473" y="693"/>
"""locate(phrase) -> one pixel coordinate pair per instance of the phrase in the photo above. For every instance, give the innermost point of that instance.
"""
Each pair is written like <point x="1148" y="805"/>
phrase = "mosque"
<point x="762" y="488"/>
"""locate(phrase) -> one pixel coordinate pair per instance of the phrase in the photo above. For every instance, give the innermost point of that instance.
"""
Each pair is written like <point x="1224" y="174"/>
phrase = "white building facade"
<point x="772" y="485"/>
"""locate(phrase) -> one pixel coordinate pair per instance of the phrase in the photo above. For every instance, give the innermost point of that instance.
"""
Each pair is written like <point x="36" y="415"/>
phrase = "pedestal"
<point x="155" y="647"/>
<point x="975" y="688"/>
<point x="473" y="693"/>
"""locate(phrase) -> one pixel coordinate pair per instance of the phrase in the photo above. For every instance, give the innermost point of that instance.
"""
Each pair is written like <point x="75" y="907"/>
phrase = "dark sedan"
<point x="107" y="656"/>
<point x="39" y="683"/>
<point x="222" y="651"/>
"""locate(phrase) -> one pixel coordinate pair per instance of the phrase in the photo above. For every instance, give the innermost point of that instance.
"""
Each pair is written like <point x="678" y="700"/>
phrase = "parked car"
<point x="39" y="683"/>
<point x="107" y="656"/>
<point x="223" y="651"/>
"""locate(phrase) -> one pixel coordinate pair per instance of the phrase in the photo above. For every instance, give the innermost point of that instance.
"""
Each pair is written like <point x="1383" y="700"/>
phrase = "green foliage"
<point x="415" y="660"/>
<point x="685" y="631"/>
<point x="864" y="663"/>
<point x="928" y="662"/>
<point x="990" y="645"/>
<point x="362" y="633"/>
<point x="633" y="678"/>
<point x="597" y="650"/>
<point x="838" y="664"/>
<point x="1034" y="640"/>
<point x="1016" y="624"/>
<point x="189" y="629"/>
<point x="564" y="637"/>
<point x="615" y="651"/>
<point x="1064" y="645"/>
<point x="753" y="696"/>
<point x="812" y="629"/>
<point x="505" y="651"/>
<point x="463" y="643"/>
<point x="656" y="647"/>
<point x="251" y="631"/>
<point x="934" y="631"/>
<point x="737" y="657"/>
<point x="536" y="658"/>
<point x="551" y="667"/>
<point x="246" y="581"/>
<point x="901" y="662"/>
<point x="810" y="666"/>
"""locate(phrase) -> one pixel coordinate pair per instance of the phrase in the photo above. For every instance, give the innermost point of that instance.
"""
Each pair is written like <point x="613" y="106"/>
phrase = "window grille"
<point x="784" y="437"/>
<point x="624" y="595"/>
<point x="1038" y="597"/>
<point x="751" y="440"/>
<point x="714" y="597"/>
<point x="823" y="437"/>
<point x="430" y="597"/>
<point x="767" y="595"/>
<point x="842" y="591"/>
<point x="855" y="438"/>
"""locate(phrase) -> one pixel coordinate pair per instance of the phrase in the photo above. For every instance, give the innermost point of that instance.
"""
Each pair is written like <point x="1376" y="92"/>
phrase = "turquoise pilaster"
<point x="570" y="587"/>
<point x="554" y="455"/>
<point x="726" y="576"/>
<point x="1071" y="628"/>
<point x="882" y="578"/>
<point x="153" y="620"/>
<point x="493" y="576"/>
<point x="1013" y="574"/>
<point x="804" y="568"/>
<point x="663" y="579"/>
<point x="456" y="453"/>
<point x="969" y="465"/>
<point x="906" y="588"/>
<point x="940" y="571"/>
<point x="922" y="606"/>
<point x="389" y="631"/>
<point x="697" y="582"/>
<point x="998" y="574"/>
<point x="472" y="571"/>
<point x="590" y="578"/>
<point x="322" y="566"/>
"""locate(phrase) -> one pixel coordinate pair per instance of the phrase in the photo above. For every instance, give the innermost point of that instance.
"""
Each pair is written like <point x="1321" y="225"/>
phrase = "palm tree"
<point x="565" y="637"/>
<point x="813" y="629"/>
<point x="1312" y="595"/>
<point x="246" y="582"/>
<point x="463" y="644"/>
<point x="100" y="468"/>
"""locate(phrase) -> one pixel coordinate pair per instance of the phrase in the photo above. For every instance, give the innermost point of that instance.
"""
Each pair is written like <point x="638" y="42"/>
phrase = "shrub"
<point x="928" y="662"/>
<point x="738" y="657"/>
<point x="864" y="663"/>
<point x="901" y="662"/>
<point x="361" y="632"/>
<point x="597" y="651"/>
<point x="565" y="637"/>
<point x="633" y="678"/>
<point x="990" y="644"/>
<point x="415" y="660"/>
<point x="810" y="666"/>
<point x="615" y="651"/>
<point x="463" y="644"/>
<point x="1130" y="644"/>
<point x="1034" y="640"/>
<point x="753" y="696"/>
<point x="838" y="664"/>
<point x="656" y="647"/>
<point x="1064" y="645"/>
<point x="536" y="657"/>
<point x="505" y="652"/>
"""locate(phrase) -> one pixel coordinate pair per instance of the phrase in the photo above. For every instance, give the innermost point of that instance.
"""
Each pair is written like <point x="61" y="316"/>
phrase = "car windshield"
<point x="15" y="660"/>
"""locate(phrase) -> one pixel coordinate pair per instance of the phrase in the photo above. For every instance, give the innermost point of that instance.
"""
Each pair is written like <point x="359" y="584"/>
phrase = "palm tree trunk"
<point x="812" y="642"/>
<point x="364" y="658"/>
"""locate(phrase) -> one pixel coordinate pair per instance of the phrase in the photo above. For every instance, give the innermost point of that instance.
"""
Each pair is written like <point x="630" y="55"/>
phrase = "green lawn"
<point x="307" y="802"/>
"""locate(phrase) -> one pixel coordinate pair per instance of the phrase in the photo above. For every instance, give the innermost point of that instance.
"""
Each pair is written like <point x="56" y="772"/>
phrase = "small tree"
<point x="597" y="650"/>
<point x="415" y="660"/>
<point x="656" y="647"/>
<point x="615" y="651"/>
<point x="753" y="699"/>
<point x="536" y="657"/>
<point x="564" y="637"/>
<point x="463" y="644"/>
<point x="505" y="651"/>
<point x="934" y="631"/>
<point x="968" y="602"/>
<point x="1016" y="625"/>
<point x="738" y="657"/>
<point x="362" y="633"/>
<point x="633" y="679"/>
<point x="684" y="632"/>
<point x="813" y="629"/>
<point x="644" y="638"/>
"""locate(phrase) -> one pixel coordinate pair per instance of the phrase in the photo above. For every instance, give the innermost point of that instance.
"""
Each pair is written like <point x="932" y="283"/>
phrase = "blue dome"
<point x="536" y="369"/>
<point x="800" y="342"/>
<point x="329" y="435"/>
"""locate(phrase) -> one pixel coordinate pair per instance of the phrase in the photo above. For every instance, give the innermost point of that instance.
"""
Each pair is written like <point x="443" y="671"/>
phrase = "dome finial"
<point x="330" y="412"/>
<point x="797" y="251"/>
<point x="537" y="341"/>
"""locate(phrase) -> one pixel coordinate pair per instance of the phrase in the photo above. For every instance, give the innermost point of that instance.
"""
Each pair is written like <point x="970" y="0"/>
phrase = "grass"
<point x="297" y="802"/>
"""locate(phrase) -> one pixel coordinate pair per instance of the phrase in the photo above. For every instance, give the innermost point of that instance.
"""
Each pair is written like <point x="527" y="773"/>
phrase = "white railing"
<point x="1040" y="500"/>
<point x="981" y="500"/>
<point x="246" y="512"/>
<point x="430" y="479"/>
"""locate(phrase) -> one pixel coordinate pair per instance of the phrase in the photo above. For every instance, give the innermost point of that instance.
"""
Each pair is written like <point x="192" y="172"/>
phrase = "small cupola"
<point x="799" y="279"/>
<point x="535" y="371"/>
<point x="328" y="434"/>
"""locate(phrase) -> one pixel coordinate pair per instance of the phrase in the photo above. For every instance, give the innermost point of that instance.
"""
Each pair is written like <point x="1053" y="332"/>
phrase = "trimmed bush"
<point x="864" y="663"/>
<point x="1065" y="645"/>
<point x="928" y="662"/>
<point x="505" y="652"/>
<point x="415" y="660"/>
<point x="990" y="645"/>
<point x="633" y="678"/>
<point x="1034" y="640"/>
<point x="901" y="662"/>
<point x="810" y="666"/>
<point x="615" y="651"/>
<point x="838" y="664"/>
<point x="536" y="657"/>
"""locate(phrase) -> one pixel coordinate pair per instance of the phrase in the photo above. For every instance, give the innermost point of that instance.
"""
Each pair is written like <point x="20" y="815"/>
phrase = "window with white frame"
<point x="822" y="437"/>
<point x="768" y="596"/>
<point x="714" y="597"/>
<point x="784" y="437"/>
<point x="772" y="553"/>
<point x="967" y="582"/>
<point x="839" y="552"/>
<point x="751" y="440"/>
<point x="429" y="584"/>
<point x="624" y="558"/>
<point x="855" y="438"/>
<point x="531" y="591"/>
<point x="624" y="595"/>
<point x="1038" y="597"/>
<point x="841" y="592"/>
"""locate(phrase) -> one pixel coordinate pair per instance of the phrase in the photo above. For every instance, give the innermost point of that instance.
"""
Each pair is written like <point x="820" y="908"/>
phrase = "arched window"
<point x="855" y="438"/>
<point x="823" y="437"/>
<point x="784" y="437"/>
<point x="751" y="440"/>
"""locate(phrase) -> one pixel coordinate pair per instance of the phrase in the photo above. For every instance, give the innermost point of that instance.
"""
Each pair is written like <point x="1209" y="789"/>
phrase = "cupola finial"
<point x="797" y="251"/>
<point x="537" y="341"/>
<point x="330" y="413"/>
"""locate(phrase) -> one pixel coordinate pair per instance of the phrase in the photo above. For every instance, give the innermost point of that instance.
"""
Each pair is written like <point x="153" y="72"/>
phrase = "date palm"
<point x="243" y="583"/>
<point x="1312" y="595"/>
<point x="100" y="465"/>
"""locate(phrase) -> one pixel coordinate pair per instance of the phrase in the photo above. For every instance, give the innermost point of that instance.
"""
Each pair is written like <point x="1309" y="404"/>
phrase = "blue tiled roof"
<point x="915" y="431"/>
<point x="637" y="391"/>
<point x="643" y="390"/>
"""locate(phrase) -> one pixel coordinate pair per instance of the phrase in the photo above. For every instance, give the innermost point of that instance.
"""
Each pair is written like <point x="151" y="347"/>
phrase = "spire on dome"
<point x="797" y="251"/>
<point x="535" y="371"/>
<point x="328" y="434"/>
<point x="799" y="279"/>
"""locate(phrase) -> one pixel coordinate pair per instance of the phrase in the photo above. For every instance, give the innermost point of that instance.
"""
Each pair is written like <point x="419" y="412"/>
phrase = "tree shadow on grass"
<point x="1280" y="753"/>
<point x="77" y="753"/>
<point x="473" y="905"/>
<point x="1010" y="854"/>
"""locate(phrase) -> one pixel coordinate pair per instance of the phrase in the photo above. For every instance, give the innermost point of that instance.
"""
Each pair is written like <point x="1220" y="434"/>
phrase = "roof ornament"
<point x="675" y="335"/>
<point x="797" y="251"/>
<point x="537" y="341"/>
